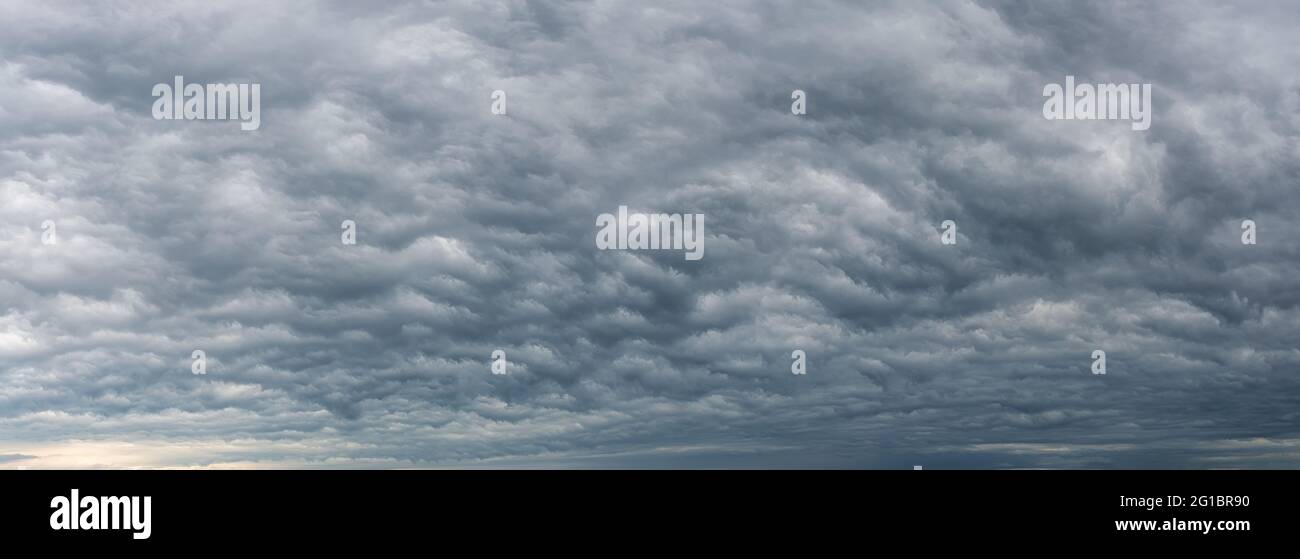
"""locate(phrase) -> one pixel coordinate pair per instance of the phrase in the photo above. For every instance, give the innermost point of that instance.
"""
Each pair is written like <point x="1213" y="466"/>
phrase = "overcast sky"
<point x="476" y="232"/>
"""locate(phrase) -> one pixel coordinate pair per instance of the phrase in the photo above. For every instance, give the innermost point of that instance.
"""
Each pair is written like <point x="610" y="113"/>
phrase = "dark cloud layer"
<point x="476" y="233"/>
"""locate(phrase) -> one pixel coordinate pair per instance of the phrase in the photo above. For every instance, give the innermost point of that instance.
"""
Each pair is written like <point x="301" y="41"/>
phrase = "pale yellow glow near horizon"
<point x="120" y="455"/>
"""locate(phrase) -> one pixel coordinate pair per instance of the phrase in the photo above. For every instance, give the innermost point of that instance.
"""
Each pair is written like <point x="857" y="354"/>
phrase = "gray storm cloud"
<point x="475" y="233"/>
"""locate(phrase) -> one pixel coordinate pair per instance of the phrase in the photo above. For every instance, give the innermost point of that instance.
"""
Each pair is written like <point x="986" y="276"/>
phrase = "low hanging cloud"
<point x="475" y="232"/>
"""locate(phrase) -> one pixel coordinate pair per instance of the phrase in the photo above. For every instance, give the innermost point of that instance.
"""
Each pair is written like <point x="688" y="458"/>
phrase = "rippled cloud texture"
<point x="476" y="233"/>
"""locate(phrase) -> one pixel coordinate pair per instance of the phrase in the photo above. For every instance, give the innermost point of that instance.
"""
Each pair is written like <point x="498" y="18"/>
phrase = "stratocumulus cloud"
<point x="474" y="233"/>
